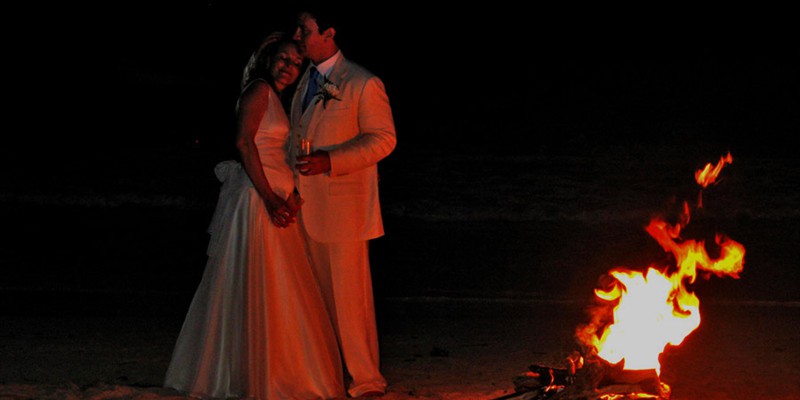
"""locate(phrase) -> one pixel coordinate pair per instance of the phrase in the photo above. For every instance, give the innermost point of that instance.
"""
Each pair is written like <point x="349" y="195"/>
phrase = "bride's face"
<point x="285" y="66"/>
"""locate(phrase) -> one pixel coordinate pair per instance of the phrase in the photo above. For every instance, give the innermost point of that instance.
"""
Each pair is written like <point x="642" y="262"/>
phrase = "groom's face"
<point x="309" y="38"/>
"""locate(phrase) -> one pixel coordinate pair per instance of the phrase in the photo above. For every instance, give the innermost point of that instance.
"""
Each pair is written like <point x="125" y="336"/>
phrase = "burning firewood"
<point x="591" y="380"/>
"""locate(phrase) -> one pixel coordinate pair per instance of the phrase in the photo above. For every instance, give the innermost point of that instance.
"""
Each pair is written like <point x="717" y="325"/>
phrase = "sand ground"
<point x="431" y="349"/>
<point x="463" y="308"/>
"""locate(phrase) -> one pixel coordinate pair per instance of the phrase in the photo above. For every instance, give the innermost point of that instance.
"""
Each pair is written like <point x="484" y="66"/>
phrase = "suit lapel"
<point x="338" y="73"/>
<point x="311" y="117"/>
<point x="304" y="123"/>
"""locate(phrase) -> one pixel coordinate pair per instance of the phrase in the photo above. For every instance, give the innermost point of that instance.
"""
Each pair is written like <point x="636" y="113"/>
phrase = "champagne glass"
<point x="305" y="146"/>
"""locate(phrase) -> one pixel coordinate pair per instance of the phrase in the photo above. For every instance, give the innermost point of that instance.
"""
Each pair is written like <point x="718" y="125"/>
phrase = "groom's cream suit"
<point x="357" y="131"/>
<point x="342" y="210"/>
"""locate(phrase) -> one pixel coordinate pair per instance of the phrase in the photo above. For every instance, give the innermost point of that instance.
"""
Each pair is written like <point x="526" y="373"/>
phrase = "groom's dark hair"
<point x="326" y="14"/>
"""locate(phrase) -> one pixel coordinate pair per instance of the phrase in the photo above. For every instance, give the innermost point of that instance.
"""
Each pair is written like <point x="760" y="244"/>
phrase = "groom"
<point x="348" y="119"/>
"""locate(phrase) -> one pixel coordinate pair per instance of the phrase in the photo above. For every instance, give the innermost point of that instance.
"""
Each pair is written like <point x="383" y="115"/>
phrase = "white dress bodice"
<point x="271" y="139"/>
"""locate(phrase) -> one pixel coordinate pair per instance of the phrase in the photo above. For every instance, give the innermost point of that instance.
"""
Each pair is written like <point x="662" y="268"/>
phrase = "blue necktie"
<point x="313" y="87"/>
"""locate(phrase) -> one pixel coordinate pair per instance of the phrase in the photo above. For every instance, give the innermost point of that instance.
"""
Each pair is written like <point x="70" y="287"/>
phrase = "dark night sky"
<point x="132" y="77"/>
<point x="148" y="74"/>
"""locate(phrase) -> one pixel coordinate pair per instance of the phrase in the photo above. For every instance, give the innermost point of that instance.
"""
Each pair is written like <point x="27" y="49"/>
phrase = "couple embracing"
<point x="285" y="307"/>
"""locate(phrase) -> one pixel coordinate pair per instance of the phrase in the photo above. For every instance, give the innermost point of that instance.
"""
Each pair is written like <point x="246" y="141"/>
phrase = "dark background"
<point x="120" y="112"/>
<point x="144" y="74"/>
<point x="533" y="146"/>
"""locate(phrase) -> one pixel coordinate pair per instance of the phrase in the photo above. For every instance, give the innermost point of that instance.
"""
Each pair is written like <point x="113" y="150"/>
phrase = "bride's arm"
<point x="252" y="107"/>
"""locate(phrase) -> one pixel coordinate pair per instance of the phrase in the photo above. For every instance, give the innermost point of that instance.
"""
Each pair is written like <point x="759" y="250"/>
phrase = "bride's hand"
<point x="294" y="202"/>
<point x="279" y="211"/>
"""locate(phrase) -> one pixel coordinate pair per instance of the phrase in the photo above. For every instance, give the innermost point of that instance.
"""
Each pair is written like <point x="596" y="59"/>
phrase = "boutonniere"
<point x="327" y="91"/>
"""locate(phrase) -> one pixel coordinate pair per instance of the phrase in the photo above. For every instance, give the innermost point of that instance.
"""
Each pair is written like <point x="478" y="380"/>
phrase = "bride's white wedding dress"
<point x="257" y="326"/>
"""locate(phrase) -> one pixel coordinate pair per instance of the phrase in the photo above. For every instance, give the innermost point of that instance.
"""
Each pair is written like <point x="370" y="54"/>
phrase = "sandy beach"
<point x="479" y="315"/>
<point x="431" y="349"/>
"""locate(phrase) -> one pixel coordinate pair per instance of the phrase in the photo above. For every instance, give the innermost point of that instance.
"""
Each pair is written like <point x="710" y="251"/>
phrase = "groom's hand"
<point x="318" y="162"/>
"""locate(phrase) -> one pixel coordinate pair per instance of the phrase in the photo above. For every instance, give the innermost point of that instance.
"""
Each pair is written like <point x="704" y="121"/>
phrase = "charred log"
<point x="594" y="379"/>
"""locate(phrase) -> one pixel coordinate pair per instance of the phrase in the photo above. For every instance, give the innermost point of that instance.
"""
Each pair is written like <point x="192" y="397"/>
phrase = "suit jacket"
<point x="357" y="131"/>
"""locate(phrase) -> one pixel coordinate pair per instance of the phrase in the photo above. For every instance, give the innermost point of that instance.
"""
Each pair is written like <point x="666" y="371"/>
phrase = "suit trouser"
<point x="343" y="271"/>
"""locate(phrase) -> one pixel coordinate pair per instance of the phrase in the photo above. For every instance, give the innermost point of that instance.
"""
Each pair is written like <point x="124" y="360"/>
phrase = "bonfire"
<point x="637" y="314"/>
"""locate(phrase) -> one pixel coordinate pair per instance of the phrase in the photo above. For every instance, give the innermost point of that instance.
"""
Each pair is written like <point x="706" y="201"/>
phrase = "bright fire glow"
<point x="709" y="173"/>
<point x="655" y="309"/>
<point x="652" y="312"/>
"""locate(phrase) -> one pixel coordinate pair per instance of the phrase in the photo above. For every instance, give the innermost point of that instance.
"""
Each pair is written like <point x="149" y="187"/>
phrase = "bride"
<point x="257" y="326"/>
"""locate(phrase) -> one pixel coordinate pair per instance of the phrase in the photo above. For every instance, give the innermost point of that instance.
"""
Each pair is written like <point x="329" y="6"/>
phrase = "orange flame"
<point x="652" y="311"/>
<point x="656" y="309"/>
<point x="709" y="173"/>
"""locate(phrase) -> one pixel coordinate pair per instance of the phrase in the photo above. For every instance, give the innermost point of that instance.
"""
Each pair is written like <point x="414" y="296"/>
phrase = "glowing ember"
<point x="628" y="396"/>
<point x="655" y="309"/>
